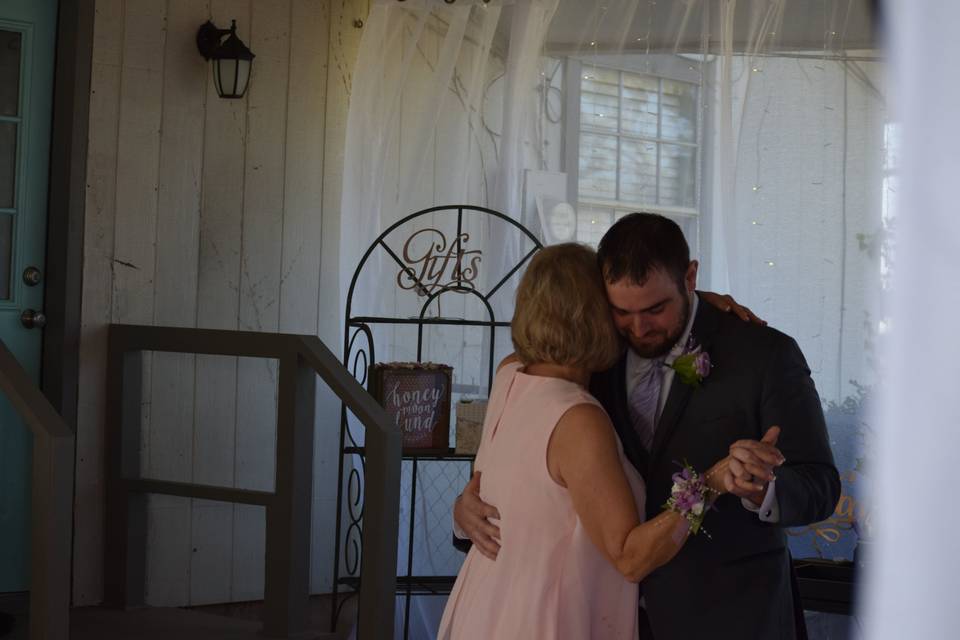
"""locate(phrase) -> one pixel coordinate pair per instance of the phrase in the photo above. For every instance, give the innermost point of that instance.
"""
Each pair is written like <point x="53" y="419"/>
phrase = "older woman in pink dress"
<point x="572" y="542"/>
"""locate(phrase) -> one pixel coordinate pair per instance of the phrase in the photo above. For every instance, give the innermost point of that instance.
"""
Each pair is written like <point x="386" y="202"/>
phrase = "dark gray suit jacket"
<point x="736" y="583"/>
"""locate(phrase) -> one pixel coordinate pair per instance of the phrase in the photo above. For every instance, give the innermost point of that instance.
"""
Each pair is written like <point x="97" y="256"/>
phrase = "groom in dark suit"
<point x="738" y="582"/>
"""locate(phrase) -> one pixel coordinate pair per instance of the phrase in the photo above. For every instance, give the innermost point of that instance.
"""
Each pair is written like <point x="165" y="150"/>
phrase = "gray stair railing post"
<point x="51" y="501"/>
<point x="381" y="525"/>
<point x="287" y="566"/>
<point x="381" y="482"/>
<point x="288" y="507"/>
<point x="125" y="527"/>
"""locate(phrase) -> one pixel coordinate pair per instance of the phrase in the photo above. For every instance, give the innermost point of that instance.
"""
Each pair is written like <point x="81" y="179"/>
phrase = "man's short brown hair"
<point x="562" y="316"/>
<point x="641" y="243"/>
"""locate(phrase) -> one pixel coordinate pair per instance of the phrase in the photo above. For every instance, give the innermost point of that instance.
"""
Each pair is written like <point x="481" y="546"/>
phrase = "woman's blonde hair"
<point x="562" y="315"/>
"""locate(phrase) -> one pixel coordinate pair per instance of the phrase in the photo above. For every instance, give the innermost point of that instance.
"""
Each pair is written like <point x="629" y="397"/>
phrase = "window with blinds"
<point x="638" y="148"/>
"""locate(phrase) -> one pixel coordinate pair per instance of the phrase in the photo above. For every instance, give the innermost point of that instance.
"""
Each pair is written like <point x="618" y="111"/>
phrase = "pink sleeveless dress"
<point x="549" y="580"/>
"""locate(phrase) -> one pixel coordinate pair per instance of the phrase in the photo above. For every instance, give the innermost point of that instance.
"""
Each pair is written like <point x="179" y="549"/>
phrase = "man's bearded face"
<point x="651" y="316"/>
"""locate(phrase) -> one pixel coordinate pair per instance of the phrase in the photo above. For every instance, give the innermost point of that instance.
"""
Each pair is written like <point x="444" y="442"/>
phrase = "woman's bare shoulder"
<point x="588" y="418"/>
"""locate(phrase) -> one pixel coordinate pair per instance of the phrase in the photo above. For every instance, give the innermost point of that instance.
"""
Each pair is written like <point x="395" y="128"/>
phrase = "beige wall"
<point x="218" y="214"/>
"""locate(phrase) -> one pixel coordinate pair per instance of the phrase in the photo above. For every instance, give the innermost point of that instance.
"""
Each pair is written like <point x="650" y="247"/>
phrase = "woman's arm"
<point x="582" y="456"/>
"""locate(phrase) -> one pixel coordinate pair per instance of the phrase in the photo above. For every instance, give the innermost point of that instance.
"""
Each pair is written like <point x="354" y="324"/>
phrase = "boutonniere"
<point x="692" y="365"/>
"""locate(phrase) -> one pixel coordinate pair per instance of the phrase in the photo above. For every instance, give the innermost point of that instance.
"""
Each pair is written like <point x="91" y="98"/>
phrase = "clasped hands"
<point x="749" y="468"/>
<point x="746" y="472"/>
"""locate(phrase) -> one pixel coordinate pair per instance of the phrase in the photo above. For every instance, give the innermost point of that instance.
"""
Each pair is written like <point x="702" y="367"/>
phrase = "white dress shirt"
<point x="637" y="368"/>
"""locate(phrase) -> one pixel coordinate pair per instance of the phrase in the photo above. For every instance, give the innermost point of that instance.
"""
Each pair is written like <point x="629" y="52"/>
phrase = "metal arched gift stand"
<point x="359" y="353"/>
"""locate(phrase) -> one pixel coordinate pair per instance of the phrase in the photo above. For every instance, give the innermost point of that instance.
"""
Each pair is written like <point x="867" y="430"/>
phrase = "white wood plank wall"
<point x="218" y="214"/>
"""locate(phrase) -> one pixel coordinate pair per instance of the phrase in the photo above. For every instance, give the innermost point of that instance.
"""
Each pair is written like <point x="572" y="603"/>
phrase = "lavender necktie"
<point x="643" y="403"/>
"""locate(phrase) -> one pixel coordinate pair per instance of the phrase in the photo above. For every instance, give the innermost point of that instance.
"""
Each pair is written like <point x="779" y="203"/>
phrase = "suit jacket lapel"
<point x="676" y="402"/>
<point x="610" y="388"/>
<point x="704" y="328"/>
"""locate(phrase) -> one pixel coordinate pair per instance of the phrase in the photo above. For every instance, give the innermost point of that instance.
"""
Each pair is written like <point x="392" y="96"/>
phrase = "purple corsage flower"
<point x="690" y="497"/>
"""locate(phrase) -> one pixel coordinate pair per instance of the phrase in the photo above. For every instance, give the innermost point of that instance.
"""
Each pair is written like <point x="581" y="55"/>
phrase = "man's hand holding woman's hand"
<point x="472" y="517"/>
<point x="748" y="469"/>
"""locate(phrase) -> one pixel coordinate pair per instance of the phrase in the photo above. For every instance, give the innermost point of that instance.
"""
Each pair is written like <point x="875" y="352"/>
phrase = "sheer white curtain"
<point x="422" y="65"/>
<point x="443" y="111"/>
<point x="912" y="587"/>
<point x="796" y="229"/>
<point x="760" y="126"/>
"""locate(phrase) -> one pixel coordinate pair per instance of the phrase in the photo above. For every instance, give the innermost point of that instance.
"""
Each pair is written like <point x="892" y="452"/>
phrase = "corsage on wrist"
<point x="690" y="497"/>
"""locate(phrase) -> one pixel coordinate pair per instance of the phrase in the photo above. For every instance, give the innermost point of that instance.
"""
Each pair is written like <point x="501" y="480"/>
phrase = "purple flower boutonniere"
<point x="693" y="365"/>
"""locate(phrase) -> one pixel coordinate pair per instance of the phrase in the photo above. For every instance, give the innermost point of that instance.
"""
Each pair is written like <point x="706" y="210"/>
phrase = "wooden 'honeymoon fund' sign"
<point x="417" y="396"/>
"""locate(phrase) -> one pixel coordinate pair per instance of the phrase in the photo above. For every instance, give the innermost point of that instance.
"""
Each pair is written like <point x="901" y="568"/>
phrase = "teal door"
<point x="27" y="37"/>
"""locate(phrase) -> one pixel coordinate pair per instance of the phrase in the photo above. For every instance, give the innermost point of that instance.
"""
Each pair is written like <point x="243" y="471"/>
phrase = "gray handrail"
<point x="302" y="358"/>
<point x="51" y="501"/>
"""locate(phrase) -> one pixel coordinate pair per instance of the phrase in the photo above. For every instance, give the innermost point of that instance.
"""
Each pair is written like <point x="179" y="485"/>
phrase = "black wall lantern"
<point x="231" y="59"/>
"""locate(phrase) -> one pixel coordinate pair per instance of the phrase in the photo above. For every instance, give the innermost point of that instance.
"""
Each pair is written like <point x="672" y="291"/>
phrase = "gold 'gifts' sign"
<point x="433" y="262"/>
<point x="417" y="396"/>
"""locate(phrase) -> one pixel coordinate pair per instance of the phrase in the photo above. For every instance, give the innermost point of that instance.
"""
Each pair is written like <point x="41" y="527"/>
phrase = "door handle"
<point x="33" y="319"/>
<point x="32" y="276"/>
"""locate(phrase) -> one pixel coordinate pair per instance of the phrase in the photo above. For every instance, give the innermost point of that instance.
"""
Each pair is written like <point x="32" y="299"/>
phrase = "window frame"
<point x="660" y="67"/>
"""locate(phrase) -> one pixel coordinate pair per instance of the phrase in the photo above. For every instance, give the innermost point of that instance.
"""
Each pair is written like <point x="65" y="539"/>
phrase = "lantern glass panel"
<point x="243" y="76"/>
<point x="231" y="77"/>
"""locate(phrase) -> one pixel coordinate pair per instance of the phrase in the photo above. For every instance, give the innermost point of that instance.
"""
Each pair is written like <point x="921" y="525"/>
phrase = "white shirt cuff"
<point x="769" y="509"/>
